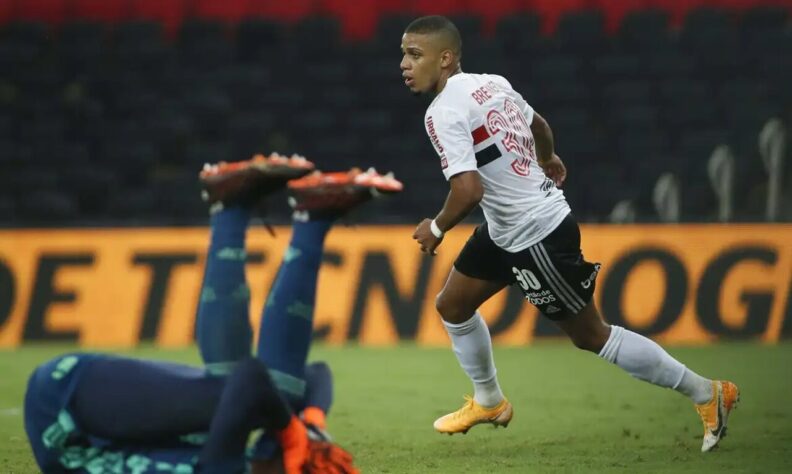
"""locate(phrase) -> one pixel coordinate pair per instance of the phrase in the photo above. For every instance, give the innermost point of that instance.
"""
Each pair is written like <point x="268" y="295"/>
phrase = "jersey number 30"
<point x="517" y="133"/>
<point x="526" y="279"/>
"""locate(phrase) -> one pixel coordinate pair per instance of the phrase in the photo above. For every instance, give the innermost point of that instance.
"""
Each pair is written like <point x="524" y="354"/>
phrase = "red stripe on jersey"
<point x="480" y="134"/>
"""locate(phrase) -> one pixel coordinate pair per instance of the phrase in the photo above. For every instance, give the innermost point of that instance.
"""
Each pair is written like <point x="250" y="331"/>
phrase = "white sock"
<point x="698" y="388"/>
<point x="473" y="347"/>
<point x="644" y="359"/>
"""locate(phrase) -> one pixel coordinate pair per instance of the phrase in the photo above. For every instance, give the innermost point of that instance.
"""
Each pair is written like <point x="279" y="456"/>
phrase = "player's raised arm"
<point x="545" y="150"/>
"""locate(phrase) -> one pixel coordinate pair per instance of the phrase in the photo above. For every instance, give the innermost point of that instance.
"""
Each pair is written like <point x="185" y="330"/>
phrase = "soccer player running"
<point x="496" y="151"/>
<point x="94" y="413"/>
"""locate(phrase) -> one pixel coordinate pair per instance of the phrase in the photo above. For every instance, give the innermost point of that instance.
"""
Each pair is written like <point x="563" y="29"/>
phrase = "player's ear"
<point x="446" y="58"/>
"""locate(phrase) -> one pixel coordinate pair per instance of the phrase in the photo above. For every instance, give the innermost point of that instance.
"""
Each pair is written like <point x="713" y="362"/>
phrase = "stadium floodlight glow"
<point x="720" y="168"/>
<point x="772" y="147"/>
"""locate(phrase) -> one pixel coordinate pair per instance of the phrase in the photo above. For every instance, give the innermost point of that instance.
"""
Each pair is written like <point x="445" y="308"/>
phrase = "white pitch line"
<point x="13" y="411"/>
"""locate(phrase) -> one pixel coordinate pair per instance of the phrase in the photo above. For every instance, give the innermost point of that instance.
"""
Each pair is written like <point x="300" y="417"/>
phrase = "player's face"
<point x="421" y="63"/>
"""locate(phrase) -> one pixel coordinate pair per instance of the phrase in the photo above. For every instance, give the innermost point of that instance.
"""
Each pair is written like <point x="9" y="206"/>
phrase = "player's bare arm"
<point x="545" y="150"/>
<point x="465" y="194"/>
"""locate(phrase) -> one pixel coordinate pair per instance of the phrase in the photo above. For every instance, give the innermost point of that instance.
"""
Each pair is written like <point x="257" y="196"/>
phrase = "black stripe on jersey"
<point x="487" y="155"/>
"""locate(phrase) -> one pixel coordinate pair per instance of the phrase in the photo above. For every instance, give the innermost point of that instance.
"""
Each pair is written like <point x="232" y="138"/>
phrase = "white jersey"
<point x="478" y="122"/>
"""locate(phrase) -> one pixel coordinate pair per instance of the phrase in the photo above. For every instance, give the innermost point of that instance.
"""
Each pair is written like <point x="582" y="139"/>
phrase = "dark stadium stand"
<point x="109" y="108"/>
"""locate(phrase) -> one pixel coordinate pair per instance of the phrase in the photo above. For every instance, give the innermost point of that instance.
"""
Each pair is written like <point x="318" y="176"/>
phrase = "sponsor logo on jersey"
<point x="547" y="185"/>
<point x="436" y="141"/>
<point x="552" y="309"/>
<point x="540" y="297"/>
<point x="588" y="281"/>
<point x="542" y="300"/>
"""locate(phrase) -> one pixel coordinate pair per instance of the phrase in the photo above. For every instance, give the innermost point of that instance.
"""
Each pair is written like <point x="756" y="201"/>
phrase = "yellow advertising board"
<point x="116" y="287"/>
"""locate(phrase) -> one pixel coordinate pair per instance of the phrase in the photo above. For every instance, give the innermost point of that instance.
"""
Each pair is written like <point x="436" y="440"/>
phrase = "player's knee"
<point x="250" y="368"/>
<point x="319" y="365"/>
<point x="451" y="310"/>
<point x="441" y="303"/>
<point x="317" y="368"/>
<point x="583" y="342"/>
<point x="35" y="379"/>
<point x="592" y="341"/>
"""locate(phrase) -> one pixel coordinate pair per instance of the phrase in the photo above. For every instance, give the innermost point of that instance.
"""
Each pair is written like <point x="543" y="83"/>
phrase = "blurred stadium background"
<point x="131" y="96"/>
<point x="673" y="118"/>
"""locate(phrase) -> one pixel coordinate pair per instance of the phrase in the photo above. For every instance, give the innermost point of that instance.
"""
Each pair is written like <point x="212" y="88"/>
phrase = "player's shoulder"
<point x="463" y="86"/>
<point x="499" y="80"/>
<point x="459" y="86"/>
<point x="447" y="104"/>
<point x="452" y="98"/>
<point x="441" y="115"/>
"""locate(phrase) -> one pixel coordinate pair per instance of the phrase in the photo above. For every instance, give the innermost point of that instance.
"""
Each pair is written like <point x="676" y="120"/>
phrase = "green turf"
<point x="573" y="413"/>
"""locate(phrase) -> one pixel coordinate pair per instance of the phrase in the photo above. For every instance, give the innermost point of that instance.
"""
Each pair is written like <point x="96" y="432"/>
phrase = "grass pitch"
<point x="573" y="412"/>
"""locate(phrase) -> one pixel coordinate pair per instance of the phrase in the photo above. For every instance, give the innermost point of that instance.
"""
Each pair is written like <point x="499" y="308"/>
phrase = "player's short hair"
<point x="437" y="24"/>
